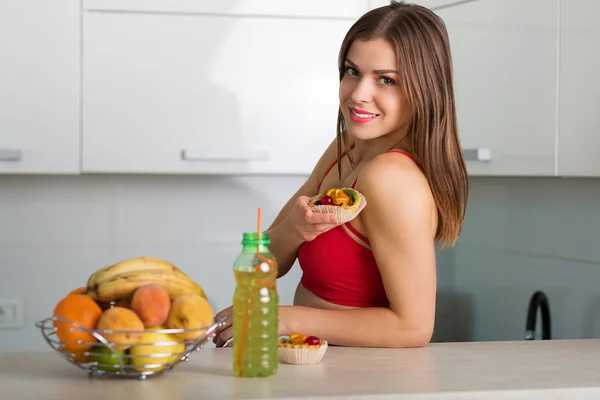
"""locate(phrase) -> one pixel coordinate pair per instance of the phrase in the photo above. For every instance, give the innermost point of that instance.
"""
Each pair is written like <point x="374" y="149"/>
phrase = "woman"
<point x="372" y="282"/>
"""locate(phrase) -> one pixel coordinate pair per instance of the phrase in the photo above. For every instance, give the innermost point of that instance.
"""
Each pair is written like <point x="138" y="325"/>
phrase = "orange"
<point x="82" y="310"/>
<point x="80" y="290"/>
<point x="341" y="201"/>
<point x="297" y="338"/>
<point x="82" y="356"/>
<point x="338" y="196"/>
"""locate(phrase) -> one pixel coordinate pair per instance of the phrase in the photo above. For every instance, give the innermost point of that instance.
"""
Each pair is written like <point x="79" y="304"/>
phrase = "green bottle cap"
<point x="253" y="238"/>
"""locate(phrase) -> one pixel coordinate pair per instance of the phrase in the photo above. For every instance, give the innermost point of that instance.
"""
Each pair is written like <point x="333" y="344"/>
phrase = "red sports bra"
<point x="339" y="269"/>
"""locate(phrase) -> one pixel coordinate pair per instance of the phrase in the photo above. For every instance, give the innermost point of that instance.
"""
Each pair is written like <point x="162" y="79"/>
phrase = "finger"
<point x="219" y="331"/>
<point x="224" y="312"/>
<point x="321" y="218"/>
<point x="216" y="334"/>
<point x="303" y="200"/>
<point x="224" y="336"/>
<point x="230" y="344"/>
<point x="221" y="328"/>
<point x="321" y="228"/>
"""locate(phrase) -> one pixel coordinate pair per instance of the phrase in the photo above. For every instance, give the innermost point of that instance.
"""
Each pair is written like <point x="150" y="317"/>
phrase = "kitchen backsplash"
<point x="523" y="235"/>
<point x="54" y="231"/>
<point x="520" y="236"/>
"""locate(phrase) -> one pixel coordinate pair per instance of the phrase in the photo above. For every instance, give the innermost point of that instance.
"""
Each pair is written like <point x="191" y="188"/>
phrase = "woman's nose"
<point x="363" y="93"/>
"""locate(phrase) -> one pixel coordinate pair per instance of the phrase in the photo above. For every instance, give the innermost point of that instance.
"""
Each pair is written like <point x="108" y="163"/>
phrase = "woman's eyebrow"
<point x="375" y="71"/>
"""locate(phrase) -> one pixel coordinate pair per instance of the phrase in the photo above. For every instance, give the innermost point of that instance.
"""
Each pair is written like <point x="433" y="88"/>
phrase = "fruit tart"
<point x="301" y="349"/>
<point x="345" y="203"/>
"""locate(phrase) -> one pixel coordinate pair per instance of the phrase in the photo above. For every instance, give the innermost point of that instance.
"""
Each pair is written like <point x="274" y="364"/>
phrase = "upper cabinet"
<point x="168" y="88"/>
<point x="39" y="77"/>
<point x="505" y="59"/>
<point x="579" y="89"/>
<point x="251" y="87"/>
<point x="432" y="4"/>
<point x="261" y="8"/>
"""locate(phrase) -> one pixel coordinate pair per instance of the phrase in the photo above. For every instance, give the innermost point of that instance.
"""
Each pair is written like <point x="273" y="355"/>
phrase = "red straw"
<point x="258" y="222"/>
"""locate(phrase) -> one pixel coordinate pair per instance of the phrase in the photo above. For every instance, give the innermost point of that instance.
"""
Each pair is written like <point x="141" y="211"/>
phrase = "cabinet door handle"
<point x="10" y="155"/>
<point x="477" y="154"/>
<point x="224" y="155"/>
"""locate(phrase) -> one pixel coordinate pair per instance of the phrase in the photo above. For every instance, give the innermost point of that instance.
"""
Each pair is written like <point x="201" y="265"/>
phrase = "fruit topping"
<point x="337" y="197"/>
<point x="341" y="201"/>
<point x="352" y="195"/>
<point x="298" y="338"/>
<point x="313" y="341"/>
<point x="326" y="200"/>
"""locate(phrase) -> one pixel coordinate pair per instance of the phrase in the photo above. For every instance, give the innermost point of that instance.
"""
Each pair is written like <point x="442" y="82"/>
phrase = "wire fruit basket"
<point x="138" y="359"/>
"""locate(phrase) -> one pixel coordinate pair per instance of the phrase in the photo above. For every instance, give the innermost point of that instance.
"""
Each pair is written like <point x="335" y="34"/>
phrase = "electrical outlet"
<point x="11" y="313"/>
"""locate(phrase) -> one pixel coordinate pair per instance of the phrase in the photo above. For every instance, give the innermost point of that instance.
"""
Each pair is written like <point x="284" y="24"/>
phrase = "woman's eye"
<point x="386" y="81"/>
<point x="351" y="71"/>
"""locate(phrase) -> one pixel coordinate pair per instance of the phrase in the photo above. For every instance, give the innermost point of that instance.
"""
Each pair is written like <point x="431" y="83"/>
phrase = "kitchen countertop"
<point x="559" y="369"/>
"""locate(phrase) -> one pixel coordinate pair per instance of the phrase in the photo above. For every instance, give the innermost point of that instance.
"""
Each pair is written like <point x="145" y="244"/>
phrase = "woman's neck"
<point x="366" y="150"/>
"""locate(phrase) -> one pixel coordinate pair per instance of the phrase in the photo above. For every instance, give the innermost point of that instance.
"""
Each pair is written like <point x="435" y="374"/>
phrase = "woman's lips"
<point x="361" y="116"/>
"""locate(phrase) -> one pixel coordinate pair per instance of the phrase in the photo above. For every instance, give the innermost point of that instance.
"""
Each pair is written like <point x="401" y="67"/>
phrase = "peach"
<point x="121" y="319"/>
<point x="152" y="304"/>
<point x="190" y="311"/>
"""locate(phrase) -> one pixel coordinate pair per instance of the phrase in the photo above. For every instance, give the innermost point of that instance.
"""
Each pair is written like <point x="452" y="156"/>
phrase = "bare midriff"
<point x="305" y="297"/>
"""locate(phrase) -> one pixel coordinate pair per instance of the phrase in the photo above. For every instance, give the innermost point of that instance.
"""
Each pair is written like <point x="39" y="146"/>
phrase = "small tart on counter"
<point x="301" y="349"/>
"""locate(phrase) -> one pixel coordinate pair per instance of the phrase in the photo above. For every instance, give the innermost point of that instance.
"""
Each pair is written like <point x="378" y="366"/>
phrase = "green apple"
<point x="108" y="361"/>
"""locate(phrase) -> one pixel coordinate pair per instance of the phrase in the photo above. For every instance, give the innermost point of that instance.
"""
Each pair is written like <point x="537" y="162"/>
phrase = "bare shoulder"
<point x="394" y="173"/>
<point x="398" y="195"/>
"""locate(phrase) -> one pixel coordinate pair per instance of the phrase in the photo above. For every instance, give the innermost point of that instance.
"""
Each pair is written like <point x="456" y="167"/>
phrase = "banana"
<point x="122" y="286"/>
<point x="94" y="277"/>
<point x="129" y="265"/>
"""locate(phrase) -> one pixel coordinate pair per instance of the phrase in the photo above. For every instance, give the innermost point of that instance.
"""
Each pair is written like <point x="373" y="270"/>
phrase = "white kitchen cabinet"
<point x="261" y="8"/>
<point x="432" y="4"/>
<point x="39" y="81"/>
<point x="190" y="93"/>
<point x="579" y="90"/>
<point x="505" y="58"/>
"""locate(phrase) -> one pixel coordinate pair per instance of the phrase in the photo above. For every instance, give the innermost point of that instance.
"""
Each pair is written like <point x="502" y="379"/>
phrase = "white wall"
<point x="54" y="231"/>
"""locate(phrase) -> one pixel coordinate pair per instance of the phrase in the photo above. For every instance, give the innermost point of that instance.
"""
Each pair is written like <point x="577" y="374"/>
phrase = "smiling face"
<point x="371" y="100"/>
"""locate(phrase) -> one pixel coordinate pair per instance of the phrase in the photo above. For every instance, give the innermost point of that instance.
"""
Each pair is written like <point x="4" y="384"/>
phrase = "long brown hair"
<point x="420" y="40"/>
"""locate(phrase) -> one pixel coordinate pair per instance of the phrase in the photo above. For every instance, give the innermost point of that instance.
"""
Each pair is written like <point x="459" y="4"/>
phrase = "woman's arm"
<point x="398" y="220"/>
<point x="285" y="238"/>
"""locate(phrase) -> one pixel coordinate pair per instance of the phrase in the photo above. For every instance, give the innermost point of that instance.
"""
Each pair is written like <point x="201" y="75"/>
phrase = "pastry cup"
<point x="305" y="355"/>
<point x="343" y="214"/>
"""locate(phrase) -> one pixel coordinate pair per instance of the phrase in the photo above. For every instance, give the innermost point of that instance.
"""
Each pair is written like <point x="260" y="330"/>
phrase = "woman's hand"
<point x="308" y="224"/>
<point x="225" y="332"/>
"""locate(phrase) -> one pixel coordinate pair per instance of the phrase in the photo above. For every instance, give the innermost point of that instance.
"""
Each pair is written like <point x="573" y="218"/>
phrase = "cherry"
<point x="326" y="200"/>
<point x="313" y="341"/>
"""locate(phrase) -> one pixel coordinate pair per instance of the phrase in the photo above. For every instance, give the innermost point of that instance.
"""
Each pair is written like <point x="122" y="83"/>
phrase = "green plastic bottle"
<point x="255" y="309"/>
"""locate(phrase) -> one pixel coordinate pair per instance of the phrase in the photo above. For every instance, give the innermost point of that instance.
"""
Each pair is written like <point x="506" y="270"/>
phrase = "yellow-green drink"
<point x="255" y="309"/>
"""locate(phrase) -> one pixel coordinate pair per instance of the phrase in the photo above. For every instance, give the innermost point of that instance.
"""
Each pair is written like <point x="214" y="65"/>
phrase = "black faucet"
<point x="538" y="300"/>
